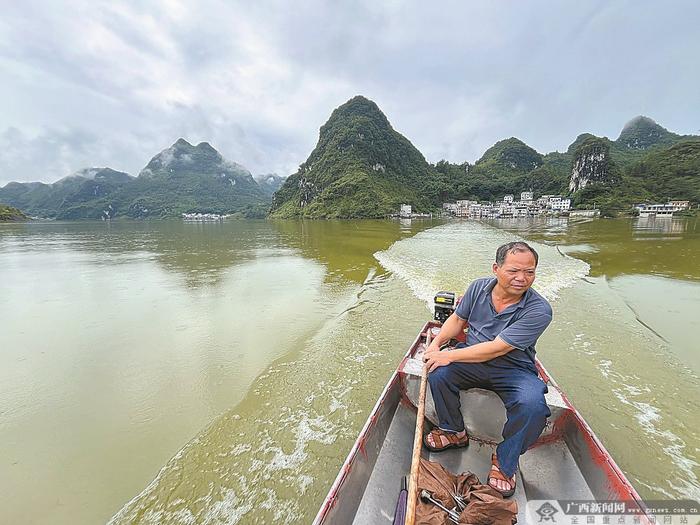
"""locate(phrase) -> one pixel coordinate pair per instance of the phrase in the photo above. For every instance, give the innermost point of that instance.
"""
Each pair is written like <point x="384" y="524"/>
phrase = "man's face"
<point x="517" y="273"/>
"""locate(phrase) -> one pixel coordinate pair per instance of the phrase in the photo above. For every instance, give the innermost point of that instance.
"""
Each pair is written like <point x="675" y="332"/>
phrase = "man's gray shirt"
<point x="519" y="325"/>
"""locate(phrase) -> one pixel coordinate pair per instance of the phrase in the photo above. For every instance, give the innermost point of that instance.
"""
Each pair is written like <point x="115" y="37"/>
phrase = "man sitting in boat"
<point x="505" y="318"/>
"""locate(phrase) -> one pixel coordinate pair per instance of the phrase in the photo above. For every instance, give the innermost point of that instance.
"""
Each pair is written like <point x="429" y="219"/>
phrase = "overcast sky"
<point x="90" y="83"/>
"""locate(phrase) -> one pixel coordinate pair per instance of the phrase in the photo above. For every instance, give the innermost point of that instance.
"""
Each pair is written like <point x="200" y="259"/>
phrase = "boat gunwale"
<point x="330" y="499"/>
<point x="596" y="444"/>
<point x="619" y="482"/>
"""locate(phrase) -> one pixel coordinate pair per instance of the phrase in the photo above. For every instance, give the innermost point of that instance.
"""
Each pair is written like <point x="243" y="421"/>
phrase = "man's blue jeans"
<point x="521" y="391"/>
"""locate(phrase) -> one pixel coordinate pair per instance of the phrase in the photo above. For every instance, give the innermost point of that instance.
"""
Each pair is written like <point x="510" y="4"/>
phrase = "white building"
<point x="662" y="210"/>
<point x="406" y="211"/>
<point x="506" y="209"/>
<point x="481" y="211"/>
<point x="584" y="213"/>
<point x="463" y="211"/>
<point x="680" y="205"/>
<point x="559" y="204"/>
<point x="543" y="200"/>
<point x="521" y="209"/>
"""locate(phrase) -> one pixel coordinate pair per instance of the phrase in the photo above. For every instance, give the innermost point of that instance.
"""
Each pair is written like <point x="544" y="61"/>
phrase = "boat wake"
<point x="605" y="343"/>
<point x="273" y="457"/>
<point x="449" y="257"/>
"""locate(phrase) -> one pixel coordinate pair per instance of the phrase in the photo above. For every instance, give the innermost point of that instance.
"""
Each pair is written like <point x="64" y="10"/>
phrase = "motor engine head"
<point x="445" y="304"/>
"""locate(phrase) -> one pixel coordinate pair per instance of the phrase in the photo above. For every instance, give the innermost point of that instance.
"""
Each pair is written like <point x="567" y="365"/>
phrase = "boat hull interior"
<point x="566" y="463"/>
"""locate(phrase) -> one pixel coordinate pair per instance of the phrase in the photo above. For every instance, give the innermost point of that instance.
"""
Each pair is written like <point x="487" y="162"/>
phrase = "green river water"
<point x="167" y="372"/>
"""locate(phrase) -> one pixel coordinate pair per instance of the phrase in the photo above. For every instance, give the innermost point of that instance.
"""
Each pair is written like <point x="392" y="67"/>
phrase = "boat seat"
<point x="484" y="410"/>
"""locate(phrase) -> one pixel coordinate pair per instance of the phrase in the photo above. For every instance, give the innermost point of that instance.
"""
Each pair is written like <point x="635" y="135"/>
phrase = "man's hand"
<point x="434" y="358"/>
<point x="433" y="347"/>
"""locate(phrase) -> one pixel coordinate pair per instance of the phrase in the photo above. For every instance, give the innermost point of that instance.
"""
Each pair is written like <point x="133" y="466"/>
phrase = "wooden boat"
<point x="568" y="462"/>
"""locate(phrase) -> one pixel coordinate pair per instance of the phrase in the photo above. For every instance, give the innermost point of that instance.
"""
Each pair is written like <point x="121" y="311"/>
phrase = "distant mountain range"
<point x="269" y="183"/>
<point x="182" y="178"/>
<point x="362" y="168"/>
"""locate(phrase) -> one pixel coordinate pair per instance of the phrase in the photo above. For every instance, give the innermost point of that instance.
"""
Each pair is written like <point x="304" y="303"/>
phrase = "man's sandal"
<point x="450" y="440"/>
<point x="496" y="474"/>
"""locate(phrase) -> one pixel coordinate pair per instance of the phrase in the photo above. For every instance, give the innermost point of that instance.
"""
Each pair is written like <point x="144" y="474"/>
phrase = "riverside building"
<point x="507" y="208"/>
<point x="662" y="210"/>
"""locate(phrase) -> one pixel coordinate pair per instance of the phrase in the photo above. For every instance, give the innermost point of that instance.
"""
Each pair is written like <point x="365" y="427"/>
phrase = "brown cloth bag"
<point x="485" y="506"/>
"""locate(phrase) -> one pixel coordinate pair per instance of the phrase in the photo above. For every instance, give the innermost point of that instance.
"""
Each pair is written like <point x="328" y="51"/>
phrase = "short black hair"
<point x="514" y="247"/>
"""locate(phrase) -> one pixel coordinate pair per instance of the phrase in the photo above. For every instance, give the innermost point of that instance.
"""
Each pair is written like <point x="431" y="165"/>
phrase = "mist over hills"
<point x="362" y="167"/>
<point x="269" y="183"/>
<point x="182" y="178"/>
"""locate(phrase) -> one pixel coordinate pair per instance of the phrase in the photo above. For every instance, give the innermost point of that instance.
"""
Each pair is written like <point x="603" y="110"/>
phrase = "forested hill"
<point x="360" y="167"/>
<point x="182" y="178"/>
<point x="185" y="178"/>
<point x="645" y="163"/>
<point x="73" y="196"/>
<point x="8" y="213"/>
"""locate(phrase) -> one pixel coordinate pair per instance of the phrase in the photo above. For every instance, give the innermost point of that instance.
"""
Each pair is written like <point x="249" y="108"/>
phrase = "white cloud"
<point x="114" y="83"/>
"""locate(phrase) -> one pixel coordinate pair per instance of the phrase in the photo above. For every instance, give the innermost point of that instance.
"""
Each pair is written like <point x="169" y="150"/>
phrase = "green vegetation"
<point x="642" y="133"/>
<point x="662" y="174"/>
<point x="502" y="169"/>
<point x="181" y="179"/>
<point x="593" y="165"/>
<point x="670" y="174"/>
<point x="7" y="213"/>
<point x="495" y="177"/>
<point x="186" y="178"/>
<point x="645" y="164"/>
<point x="361" y="167"/>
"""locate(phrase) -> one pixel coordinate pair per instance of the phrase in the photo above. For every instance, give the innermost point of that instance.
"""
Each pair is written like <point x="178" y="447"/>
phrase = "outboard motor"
<point x="445" y="304"/>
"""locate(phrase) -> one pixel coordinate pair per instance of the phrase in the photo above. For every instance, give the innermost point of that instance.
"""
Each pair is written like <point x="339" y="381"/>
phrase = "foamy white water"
<point x="449" y="257"/>
<point x="274" y="449"/>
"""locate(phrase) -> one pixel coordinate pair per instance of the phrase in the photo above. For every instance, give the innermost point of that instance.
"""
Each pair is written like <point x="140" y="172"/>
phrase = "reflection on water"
<point x="614" y="247"/>
<point x="120" y="341"/>
<point x="345" y="247"/>
<point x="193" y="372"/>
<point x="669" y="308"/>
<point x="661" y="225"/>
<point x="201" y="252"/>
<point x="272" y="458"/>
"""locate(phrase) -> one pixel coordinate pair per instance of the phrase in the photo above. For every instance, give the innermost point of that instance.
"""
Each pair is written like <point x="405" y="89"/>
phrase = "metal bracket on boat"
<point x="427" y="497"/>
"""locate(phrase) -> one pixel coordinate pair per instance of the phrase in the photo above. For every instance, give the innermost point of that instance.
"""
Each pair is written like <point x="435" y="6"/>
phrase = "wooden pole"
<point x="417" y="444"/>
